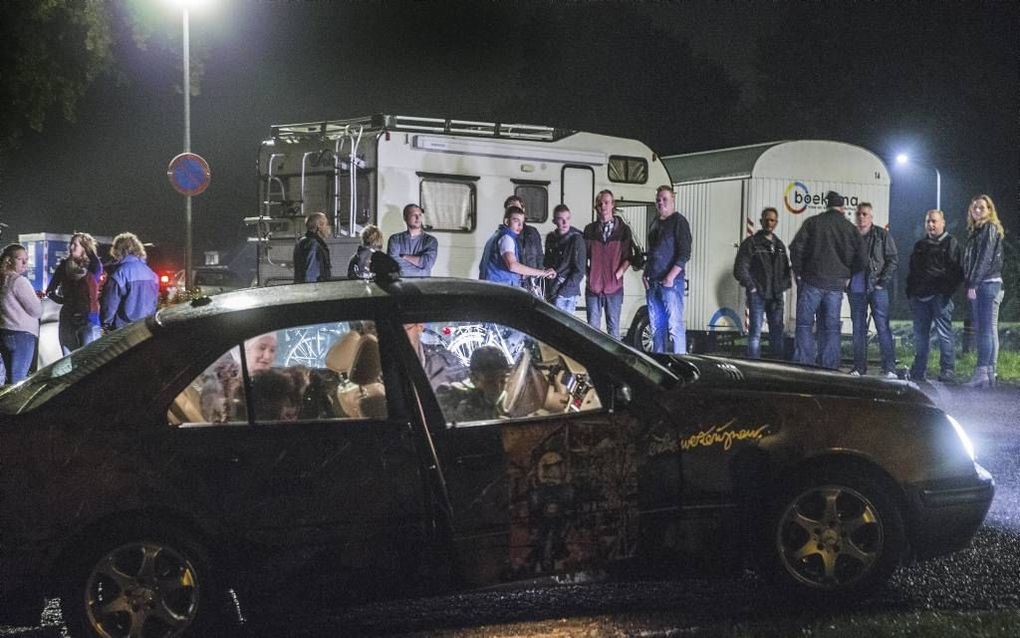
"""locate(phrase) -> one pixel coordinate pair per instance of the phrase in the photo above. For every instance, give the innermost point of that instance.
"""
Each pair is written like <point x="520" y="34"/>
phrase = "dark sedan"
<point x="347" y="440"/>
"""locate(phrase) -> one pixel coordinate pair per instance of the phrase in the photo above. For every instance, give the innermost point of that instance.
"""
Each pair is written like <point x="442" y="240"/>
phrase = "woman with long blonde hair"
<point x="982" y="271"/>
<point x="19" y="313"/>
<point x="75" y="285"/>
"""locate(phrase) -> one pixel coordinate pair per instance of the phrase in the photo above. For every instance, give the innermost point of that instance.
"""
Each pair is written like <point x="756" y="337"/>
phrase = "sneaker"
<point x="855" y="373"/>
<point x="947" y="377"/>
<point x="890" y="375"/>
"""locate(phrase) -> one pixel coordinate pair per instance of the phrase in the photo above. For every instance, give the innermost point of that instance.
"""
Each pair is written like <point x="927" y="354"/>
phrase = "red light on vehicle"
<point x="164" y="279"/>
<point x="447" y="331"/>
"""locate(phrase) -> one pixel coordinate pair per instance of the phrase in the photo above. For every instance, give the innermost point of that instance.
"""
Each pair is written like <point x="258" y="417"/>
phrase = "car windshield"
<point x="63" y="373"/>
<point x="637" y="361"/>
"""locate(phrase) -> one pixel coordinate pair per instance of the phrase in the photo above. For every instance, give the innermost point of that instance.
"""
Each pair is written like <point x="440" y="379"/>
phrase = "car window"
<point x="485" y="372"/>
<point x="329" y="371"/>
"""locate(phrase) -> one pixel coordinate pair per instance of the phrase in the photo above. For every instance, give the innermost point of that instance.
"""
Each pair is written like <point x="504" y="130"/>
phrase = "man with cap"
<point x="826" y="252"/>
<point x="481" y="398"/>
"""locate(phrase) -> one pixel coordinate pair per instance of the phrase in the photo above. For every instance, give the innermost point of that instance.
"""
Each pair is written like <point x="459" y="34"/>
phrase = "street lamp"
<point x="903" y="159"/>
<point x="185" y="5"/>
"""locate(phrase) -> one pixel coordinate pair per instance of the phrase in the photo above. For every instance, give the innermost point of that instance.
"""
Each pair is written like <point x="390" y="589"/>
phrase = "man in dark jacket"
<point x="608" y="240"/>
<point x="565" y="252"/>
<point x="824" y="254"/>
<point x="669" y="250"/>
<point x="936" y="271"/>
<point x="870" y="289"/>
<point x="763" y="268"/>
<point x="311" y="254"/>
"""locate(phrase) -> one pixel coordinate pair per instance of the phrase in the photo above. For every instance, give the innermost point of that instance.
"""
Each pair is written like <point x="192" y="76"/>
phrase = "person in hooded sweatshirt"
<point x="566" y="253"/>
<point x="371" y="241"/>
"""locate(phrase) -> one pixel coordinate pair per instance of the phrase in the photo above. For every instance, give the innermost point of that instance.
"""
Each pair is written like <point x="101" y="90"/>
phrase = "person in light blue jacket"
<point x="131" y="291"/>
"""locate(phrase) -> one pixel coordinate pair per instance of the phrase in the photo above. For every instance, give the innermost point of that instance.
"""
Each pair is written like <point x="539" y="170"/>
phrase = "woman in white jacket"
<point x="20" y="309"/>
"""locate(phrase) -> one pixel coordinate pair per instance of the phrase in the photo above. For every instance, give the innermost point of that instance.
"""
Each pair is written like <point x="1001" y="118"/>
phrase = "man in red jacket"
<point x="608" y="240"/>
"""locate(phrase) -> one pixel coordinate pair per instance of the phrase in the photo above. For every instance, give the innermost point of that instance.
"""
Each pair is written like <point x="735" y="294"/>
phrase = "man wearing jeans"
<point x="669" y="250"/>
<point x="936" y="271"/>
<point x="608" y="241"/>
<point x="824" y="254"/>
<point x="564" y="251"/>
<point x="870" y="289"/>
<point x="763" y="269"/>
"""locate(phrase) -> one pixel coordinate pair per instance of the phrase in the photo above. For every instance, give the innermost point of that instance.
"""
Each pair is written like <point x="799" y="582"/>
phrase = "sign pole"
<point x="187" y="149"/>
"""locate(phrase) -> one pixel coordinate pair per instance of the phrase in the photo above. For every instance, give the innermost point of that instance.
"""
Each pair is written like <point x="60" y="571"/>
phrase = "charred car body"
<point x="338" y="433"/>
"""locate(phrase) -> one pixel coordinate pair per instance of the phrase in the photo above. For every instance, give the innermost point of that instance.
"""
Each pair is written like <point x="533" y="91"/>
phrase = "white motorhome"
<point x="723" y="192"/>
<point x="363" y="171"/>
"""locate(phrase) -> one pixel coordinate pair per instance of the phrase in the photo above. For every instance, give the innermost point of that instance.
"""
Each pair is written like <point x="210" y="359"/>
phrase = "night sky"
<point x="936" y="80"/>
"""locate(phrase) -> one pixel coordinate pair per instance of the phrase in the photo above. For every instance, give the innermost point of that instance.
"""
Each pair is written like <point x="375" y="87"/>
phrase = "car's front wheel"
<point x="833" y="533"/>
<point x="138" y="584"/>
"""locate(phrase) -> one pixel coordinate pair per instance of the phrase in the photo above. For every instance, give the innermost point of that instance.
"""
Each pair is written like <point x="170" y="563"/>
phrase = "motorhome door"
<point x="578" y="191"/>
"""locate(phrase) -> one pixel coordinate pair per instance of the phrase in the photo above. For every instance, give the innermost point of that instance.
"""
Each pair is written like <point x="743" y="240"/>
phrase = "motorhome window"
<point x="629" y="170"/>
<point x="449" y="204"/>
<point x="536" y="201"/>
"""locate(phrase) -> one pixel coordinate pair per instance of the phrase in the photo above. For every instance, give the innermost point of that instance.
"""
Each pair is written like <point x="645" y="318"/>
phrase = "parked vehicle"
<point x="210" y="280"/>
<point x="722" y="192"/>
<point x="341" y="436"/>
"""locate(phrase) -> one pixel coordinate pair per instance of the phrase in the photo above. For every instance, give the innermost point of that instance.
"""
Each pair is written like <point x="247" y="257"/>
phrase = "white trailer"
<point x="723" y="192"/>
<point x="364" y="170"/>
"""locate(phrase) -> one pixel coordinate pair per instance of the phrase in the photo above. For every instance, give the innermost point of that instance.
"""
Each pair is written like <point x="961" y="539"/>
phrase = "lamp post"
<point x="187" y="146"/>
<point x="903" y="159"/>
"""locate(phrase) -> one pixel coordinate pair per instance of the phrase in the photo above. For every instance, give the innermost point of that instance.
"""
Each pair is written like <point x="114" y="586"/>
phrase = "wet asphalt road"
<point x="982" y="577"/>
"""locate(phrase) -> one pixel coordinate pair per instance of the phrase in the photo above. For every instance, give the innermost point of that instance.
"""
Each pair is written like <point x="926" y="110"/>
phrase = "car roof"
<point x="289" y="294"/>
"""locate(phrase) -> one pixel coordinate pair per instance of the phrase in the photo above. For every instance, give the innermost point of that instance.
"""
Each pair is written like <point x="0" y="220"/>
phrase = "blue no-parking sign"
<point x="189" y="174"/>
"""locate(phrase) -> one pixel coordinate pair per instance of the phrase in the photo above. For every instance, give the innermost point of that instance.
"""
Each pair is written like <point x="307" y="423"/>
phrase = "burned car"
<point x="362" y="439"/>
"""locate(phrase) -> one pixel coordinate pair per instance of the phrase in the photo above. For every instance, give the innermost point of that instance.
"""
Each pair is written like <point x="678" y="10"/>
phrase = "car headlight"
<point x="968" y="445"/>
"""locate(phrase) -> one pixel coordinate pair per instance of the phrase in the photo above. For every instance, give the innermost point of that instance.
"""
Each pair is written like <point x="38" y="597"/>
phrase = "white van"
<point x="363" y="171"/>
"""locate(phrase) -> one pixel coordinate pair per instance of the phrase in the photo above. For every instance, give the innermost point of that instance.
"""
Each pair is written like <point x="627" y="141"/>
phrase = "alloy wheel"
<point x="830" y="537"/>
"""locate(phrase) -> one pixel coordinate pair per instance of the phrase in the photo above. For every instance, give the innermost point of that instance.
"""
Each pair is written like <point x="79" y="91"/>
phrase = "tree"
<point x="52" y="51"/>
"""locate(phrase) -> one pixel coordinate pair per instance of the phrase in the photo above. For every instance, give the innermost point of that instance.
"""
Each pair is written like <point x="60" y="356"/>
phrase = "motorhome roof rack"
<point x="332" y="128"/>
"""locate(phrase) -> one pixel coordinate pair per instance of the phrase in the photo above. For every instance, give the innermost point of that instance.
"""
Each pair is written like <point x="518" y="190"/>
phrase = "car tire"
<point x="158" y="579"/>
<point x="833" y="533"/>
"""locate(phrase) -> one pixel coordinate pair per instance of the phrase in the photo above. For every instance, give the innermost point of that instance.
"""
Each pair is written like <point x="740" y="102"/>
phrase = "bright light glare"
<point x="902" y="158"/>
<point x="968" y="445"/>
<point x="187" y="5"/>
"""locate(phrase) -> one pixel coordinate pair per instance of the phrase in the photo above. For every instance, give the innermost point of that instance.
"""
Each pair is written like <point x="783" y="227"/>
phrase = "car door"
<point x="294" y="435"/>
<point x="549" y="476"/>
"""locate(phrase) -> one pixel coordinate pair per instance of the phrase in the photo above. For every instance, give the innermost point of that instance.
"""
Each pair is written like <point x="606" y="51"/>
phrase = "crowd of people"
<point x="130" y="292"/>
<point x="829" y="257"/>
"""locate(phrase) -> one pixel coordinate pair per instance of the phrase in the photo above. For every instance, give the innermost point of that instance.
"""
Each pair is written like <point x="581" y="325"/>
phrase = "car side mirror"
<point x="622" y="397"/>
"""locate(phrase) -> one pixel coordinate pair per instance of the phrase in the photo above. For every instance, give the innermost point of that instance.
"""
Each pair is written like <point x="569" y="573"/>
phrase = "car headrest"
<point x="367" y="368"/>
<point x="340" y="356"/>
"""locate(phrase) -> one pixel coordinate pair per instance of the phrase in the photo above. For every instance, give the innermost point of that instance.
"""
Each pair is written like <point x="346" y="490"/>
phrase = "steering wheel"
<point x="517" y="401"/>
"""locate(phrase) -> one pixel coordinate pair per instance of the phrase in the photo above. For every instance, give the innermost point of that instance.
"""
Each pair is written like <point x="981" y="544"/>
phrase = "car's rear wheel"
<point x="834" y="533"/>
<point x="140" y="584"/>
